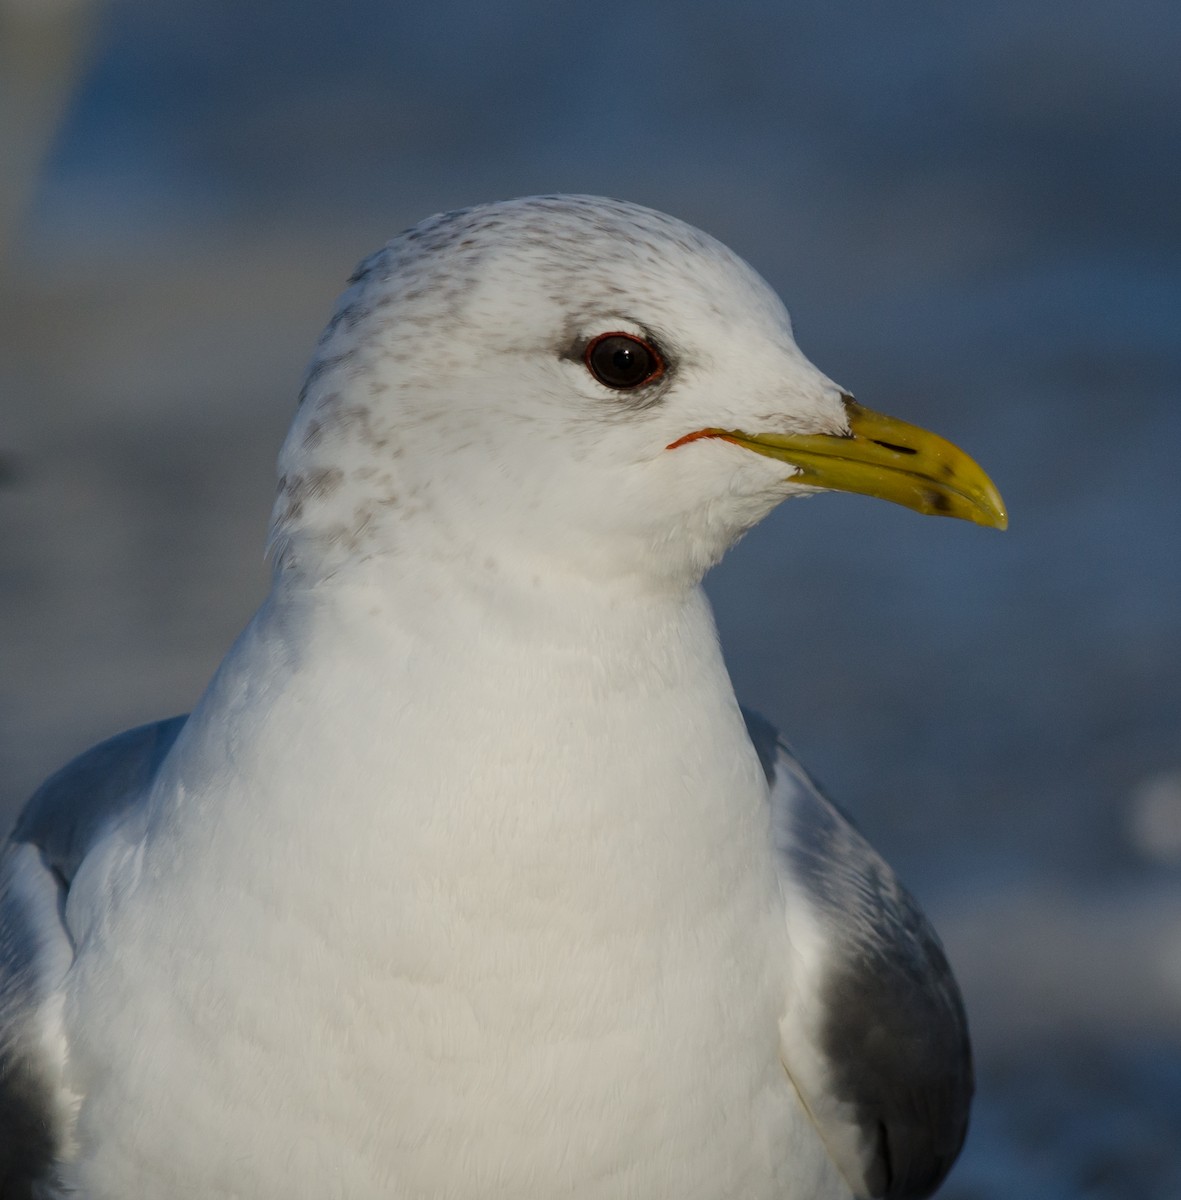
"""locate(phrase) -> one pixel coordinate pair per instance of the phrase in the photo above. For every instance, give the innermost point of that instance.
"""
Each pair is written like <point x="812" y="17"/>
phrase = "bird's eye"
<point x="622" y="361"/>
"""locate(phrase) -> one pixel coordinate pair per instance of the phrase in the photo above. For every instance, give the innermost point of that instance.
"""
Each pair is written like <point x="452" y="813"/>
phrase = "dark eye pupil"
<point x="621" y="361"/>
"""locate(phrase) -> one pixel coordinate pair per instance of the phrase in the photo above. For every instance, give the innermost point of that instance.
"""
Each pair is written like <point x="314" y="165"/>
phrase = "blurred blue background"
<point x="972" y="212"/>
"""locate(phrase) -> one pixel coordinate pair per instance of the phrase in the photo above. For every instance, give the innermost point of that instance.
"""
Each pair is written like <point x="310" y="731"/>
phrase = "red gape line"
<point x="702" y="433"/>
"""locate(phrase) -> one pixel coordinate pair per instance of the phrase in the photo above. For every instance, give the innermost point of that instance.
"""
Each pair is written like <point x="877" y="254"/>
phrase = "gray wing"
<point x="874" y="1036"/>
<point x="59" y="824"/>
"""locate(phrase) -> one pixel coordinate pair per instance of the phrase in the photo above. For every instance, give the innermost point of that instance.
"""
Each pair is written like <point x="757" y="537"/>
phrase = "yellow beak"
<point x="884" y="457"/>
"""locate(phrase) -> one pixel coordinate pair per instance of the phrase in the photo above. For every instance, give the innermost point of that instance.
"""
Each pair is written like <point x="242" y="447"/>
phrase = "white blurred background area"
<point x="974" y="214"/>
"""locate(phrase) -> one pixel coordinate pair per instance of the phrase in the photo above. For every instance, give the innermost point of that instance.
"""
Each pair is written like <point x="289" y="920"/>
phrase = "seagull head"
<point x="581" y="385"/>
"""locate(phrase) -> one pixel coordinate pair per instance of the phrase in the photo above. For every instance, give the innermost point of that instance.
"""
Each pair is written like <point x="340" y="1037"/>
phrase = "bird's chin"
<point x="758" y="491"/>
<point x="711" y="532"/>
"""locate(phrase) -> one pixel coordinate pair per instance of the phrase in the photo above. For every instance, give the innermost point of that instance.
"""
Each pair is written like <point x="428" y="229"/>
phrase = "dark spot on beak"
<point x="939" y="501"/>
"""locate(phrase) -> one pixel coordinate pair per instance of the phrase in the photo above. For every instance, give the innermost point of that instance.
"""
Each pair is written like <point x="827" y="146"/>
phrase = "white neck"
<point x="451" y="687"/>
<point x="526" y="861"/>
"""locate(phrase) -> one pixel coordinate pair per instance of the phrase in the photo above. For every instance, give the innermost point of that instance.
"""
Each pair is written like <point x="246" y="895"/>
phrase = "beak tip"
<point x="994" y="509"/>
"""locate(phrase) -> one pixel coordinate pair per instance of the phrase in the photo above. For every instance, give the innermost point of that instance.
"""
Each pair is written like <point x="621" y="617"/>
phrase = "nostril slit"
<point x="893" y="446"/>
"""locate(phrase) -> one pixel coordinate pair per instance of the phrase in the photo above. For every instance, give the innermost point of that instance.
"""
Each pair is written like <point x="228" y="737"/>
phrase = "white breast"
<point x="453" y="911"/>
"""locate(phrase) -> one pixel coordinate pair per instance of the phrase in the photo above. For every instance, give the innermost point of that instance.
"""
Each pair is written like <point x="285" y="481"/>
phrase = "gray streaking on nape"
<point x="466" y="876"/>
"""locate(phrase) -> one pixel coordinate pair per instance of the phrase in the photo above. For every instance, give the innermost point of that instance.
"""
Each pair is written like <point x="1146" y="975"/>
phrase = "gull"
<point x="467" y="876"/>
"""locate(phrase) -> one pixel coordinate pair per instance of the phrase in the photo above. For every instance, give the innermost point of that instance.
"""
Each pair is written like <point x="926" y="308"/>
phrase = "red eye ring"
<point x="622" y="361"/>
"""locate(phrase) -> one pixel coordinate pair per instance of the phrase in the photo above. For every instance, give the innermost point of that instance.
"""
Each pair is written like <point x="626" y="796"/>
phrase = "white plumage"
<point x="462" y="879"/>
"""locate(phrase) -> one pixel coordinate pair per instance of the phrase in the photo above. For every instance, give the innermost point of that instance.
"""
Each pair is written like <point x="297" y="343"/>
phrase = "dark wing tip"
<point x="896" y="1039"/>
<point x="28" y="1145"/>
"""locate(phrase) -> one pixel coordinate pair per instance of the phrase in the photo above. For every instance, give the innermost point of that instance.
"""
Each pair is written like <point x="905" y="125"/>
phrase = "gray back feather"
<point x="889" y="1021"/>
<point x="66" y="813"/>
<point x="60" y="823"/>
